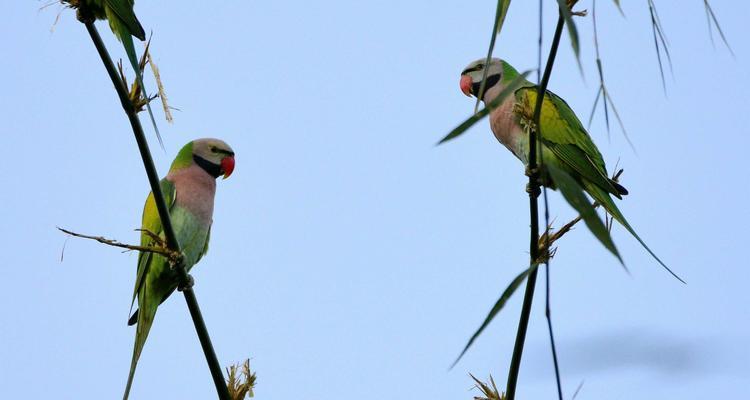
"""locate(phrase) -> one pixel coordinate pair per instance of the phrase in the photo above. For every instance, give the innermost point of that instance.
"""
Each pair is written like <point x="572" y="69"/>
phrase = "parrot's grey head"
<point x="471" y="77"/>
<point x="214" y="156"/>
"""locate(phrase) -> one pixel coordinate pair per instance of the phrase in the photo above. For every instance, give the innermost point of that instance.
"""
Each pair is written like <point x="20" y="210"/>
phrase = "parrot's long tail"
<point x="146" y="312"/>
<point x="133" y="318"/>
<point x="605" y="200"/>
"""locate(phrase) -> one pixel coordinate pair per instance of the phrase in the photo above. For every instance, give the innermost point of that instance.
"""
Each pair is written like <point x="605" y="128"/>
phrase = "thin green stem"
<point x="548" y="308"/>
<point x="548" y="314"/>
<point x="153" y="178"/>
<point x="523" y="323"/>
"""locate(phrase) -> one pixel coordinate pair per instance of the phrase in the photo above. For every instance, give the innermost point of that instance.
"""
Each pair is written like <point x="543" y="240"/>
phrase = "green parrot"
<point x="124" y="25"/>
<point x="564" y="142"/>
<point x="189" y="190"/>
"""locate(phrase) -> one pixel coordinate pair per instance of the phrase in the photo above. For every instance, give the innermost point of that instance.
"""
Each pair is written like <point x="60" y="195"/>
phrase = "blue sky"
<point x="350" y="257"/>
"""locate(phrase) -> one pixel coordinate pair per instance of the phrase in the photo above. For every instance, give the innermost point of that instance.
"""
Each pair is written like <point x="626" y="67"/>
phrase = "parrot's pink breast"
<point x="195" y="191"/>
<point x="505" y="127"/>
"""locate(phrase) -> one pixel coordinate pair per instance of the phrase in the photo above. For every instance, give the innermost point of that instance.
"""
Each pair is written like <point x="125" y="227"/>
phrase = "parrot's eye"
<point x="213" y="149"/>
<point x="480" y="67"/>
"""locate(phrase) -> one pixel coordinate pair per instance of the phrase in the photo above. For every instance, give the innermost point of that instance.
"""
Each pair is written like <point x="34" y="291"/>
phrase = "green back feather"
<point x="509" y="73"/>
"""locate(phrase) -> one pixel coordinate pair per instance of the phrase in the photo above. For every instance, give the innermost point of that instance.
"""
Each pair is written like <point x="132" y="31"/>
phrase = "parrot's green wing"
<point x="564" y="135"/>
<point x="123" y="9"/>
<point x="147" y="304"/>
<point x="152" y="223"/>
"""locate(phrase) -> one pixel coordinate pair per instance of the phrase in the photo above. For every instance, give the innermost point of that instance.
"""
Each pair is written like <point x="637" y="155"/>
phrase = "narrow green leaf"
<point x="500" y="12"/>
<point x="593" y="110"/>
<point x="572" y="31"/>
<point x="619" y="120"/>
<point x="603" y="92"/>
<point x="659" y="36"/>
<point x="502" y="5"/>
<point x="619" y="7"/>
<point x="663" y="37"/>
<point x="574" y="195"/>
<point x="710" y="12"/>
<point x="514" y="284"/>
<point x="601" y="72"/>
<point x="508" y="90"/>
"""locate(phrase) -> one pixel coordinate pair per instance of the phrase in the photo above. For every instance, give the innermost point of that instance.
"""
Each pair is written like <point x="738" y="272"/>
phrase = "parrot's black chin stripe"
<point x="211" y="168"/>
<point x="491" y="81"/>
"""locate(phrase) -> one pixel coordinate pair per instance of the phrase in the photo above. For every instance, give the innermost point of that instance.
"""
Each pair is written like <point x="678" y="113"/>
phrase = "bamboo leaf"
<point x="499" y="304"/>
<point x="469" y="122"/>
<point x="619" y="120"/>
<point x="601" y="73"/>
<point x="500" y="12"/>
<point x="711" y="16"/>
<point x="574" y="195"/>
<point x="603" y="92"/>
<point x="619" y="7"/>
<point x="593" y="110"/>
<point x="572" y="30"/>
<point x="659" y="36"/>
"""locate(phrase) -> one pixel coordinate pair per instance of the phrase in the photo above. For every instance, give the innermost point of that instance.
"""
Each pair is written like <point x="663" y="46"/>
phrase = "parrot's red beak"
<point x="466" y="84"/>
<point x="227" y="166"/>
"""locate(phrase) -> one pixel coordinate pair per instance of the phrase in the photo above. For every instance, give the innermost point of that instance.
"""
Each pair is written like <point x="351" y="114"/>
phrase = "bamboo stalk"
<point x="533" y="189"/>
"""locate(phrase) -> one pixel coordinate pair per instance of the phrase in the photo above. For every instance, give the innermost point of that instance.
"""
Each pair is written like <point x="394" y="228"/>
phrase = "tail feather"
<point x="603" y="198"/>
<point x="620" y="189"/>
<point x="133" y="318"/>
<point x="145" y="317"/>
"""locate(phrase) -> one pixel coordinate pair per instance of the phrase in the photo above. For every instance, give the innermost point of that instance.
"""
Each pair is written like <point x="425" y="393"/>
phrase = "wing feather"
<point x="564" y="135"/>
<point x="152" y="223"/>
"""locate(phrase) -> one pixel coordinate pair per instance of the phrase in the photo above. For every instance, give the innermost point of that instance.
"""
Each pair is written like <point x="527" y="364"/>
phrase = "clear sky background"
<point x="350" y="257"/>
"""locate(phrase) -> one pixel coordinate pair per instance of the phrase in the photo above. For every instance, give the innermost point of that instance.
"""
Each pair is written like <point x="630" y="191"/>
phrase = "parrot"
<point x="565" y="144"/>
<point x="124" y="25"/>
<point x="188" y="189"/>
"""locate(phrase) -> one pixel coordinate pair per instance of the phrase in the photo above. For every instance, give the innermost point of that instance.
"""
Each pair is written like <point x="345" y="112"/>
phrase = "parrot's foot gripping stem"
<point x="531" y="171"/>
<point x="189" y="284"/>
<point x="83" y="14"/>
<point x="534" y="188"/>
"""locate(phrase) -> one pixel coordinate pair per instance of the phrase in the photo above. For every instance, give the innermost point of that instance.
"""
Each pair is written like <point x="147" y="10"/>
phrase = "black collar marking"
<point x="212" y="169"/>
<point x="491" y="81"/>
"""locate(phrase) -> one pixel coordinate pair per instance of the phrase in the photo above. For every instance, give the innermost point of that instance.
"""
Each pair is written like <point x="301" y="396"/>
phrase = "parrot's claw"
<point x="188" y="285"/>
<point x="532" y="171"/>
<point x="533" y="190"/>
<point x="83" y="14"/>
<point x="176" y="260"/>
